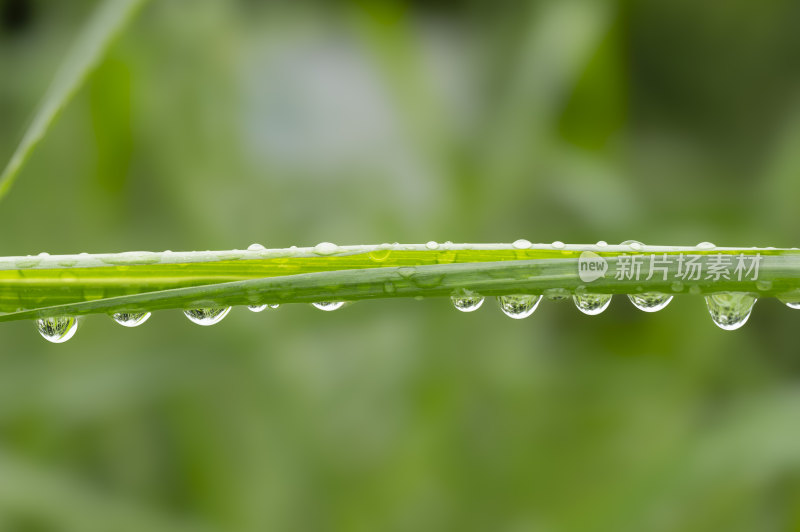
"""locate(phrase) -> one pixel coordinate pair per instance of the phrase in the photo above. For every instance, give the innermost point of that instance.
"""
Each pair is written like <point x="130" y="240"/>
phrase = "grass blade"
<point x="86" y="284"/>
<point x="105" y="24"/>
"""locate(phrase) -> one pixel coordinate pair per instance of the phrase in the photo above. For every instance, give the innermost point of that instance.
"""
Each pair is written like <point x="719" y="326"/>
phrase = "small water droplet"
<point x="207" y="316"/>
<point x="522" y="244"/>
<point x="650" y="301"/>
<point x="44" y="254"/>
<point x="558" y="244"/>
<point x="380" y="255"/>
<point x="677" y="286"/>
<point x="763" y="284"/>
<point x="58" y="329"/>
<point x="273" y="305"/>
<point x="705" y="245"/>
<point x="406" y="271"/>
<point x="130" y="319"/>
<point x="326" y="248"/>
<point x="518" y="306"/>
<point x="633" y="244"/>
<point x="730" y="310"/>
<point x="592" y="304"/>
<point x="255" y="247"/>
<point x="432" y="245"/>
<point x="428" y="280"/>
<point x="602" y="243"/>
<point x="556" y="294"/>
<point x="792" y="304"/>
<point x="257" y="308"/>
<point x="467" y="301"/>
<point x="328" y="305"/>
<point x="695" y="290"/>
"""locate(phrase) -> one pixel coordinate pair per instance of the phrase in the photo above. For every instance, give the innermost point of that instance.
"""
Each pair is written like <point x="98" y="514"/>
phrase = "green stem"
<point x="85" y="284"/>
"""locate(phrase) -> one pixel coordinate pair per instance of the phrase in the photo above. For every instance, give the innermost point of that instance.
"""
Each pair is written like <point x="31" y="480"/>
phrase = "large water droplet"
<point x="592" y="304"/>
<point x="793" y="304"/>
<point x="730" y="310"/>
<point x="207" y="316"/>
<point x="328" y="305"/>
<point x="467" y="301"/>
<point x="518" y="306"/>
<point x="130" y="319"/>
<point x="257" y="308"/>
<point x="326" y="248"/>
<point x="57" y="330"/>
<point x="522" y="244"/>
<point x="650" y="301"/>
<point x="633" y="244"/>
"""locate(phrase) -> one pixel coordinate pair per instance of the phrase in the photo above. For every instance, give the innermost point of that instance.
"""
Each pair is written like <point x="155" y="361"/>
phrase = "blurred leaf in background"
<point x="212" y="125"/>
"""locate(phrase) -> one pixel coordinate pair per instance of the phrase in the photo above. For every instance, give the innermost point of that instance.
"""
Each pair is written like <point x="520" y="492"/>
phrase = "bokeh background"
<point x="216" y="124"/>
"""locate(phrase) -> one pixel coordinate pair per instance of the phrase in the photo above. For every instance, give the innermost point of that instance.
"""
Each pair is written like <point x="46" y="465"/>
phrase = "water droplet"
<point x="763" y="284"/>
<point x="257" y="308"/>
<point x="650" y="301"/>
<point x="518" y="306"/>
<point x="467" y="301"/>
<point x="255" y="247"/>
<point x="558" y="244"/>
<point x="730" y="310"/>
<point x="207" y="316"/>
<point x="428" y="280"/>
<point x="602" y="243"/>
<point x="695" y="290"/>
<point x="792" y="304"/>
<point x="556" y="294"/>
<point x="592" y="304"/>
<point x="329" y="305"/>
<point x="432" y="245"/>
<point x="522" y="244"/>
<point x="44" y="254"/>
<point x="58" y="329"/>
<point x="326" y="248"/>
<point x="705" y="245"/>
<point x="380" y="255"/>
<point x="130" y="319"/>
<point x="406" y="271"/>
<point x="273" y="305"/>
<point x="633" y="244"/>
<point x="677" y="286"/>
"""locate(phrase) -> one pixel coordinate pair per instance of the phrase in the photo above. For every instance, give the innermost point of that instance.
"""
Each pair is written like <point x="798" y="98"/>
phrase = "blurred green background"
<point x="216" y="124"/>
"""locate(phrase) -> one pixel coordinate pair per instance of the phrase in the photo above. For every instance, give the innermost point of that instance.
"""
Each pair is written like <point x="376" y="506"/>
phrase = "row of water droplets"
<point x="728" y="310"/>
<point x="61" y="328"/>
